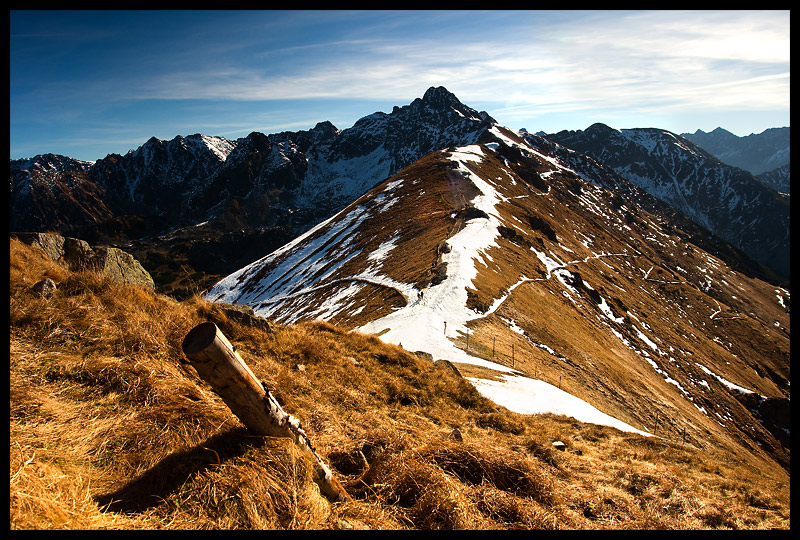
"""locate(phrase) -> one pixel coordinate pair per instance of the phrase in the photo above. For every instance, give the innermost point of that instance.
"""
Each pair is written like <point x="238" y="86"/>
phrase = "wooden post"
<point x="218" y="363"/>
<point x="494" y="339"/>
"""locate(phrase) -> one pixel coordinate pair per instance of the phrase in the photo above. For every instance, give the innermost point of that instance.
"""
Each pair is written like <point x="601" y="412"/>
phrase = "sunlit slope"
<point x="502" y="258"/>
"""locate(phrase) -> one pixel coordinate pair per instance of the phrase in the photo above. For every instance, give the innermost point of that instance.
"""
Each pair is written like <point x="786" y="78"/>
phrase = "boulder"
<point x="121" y="266"/>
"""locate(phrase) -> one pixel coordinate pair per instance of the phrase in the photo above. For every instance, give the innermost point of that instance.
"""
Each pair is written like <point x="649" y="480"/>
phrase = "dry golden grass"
<point x="109" y="429"/>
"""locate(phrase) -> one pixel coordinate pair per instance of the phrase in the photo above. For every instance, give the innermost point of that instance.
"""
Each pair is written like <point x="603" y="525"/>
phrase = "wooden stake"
<point x="218" y="363"/>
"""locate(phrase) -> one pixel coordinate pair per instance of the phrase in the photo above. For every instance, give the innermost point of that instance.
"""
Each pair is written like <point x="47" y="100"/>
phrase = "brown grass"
<point x="109" y="429"/>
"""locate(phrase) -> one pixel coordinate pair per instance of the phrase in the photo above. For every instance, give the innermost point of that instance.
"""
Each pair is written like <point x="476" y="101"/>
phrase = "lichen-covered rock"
<point x="121" y="266"/>
<point x="78" y="254"/>
<point x="51" y="244"/>
<point x="243" y="314"/>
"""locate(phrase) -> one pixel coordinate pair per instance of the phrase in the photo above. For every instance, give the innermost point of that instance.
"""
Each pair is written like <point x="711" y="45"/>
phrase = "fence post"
<point x="218" y="363"/>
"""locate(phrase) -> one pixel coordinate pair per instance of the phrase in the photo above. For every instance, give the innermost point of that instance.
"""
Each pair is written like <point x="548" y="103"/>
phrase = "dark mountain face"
<point x="778" y="179"/>
<point x="260" y="187"/>
<point x="756" y="153"/>
<point x="726" y="200"/>
<point x="55" y="192"/>
<point x="186" y="177"/>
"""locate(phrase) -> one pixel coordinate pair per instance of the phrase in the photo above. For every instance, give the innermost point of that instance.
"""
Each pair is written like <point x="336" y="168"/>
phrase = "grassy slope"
<point x="109" y="429"/>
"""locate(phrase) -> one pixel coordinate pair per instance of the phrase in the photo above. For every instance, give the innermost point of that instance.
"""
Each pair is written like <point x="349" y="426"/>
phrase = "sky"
<point x="89" y="83"/>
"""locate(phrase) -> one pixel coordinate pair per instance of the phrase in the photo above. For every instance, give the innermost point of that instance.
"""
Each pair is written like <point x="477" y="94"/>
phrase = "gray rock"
<point x="44" y="288"/>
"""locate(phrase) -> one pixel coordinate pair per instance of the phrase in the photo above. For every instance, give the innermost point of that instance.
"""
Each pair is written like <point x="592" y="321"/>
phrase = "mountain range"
<point x="758" y="153"/>
<point x="238" y="199"/>
<point x="589" y="262"/>
<point x="728" y="201"/>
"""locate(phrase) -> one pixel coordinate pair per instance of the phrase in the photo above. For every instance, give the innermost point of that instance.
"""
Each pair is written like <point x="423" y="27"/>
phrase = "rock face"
<point x="121" y="266"/>
<point x="778" y="179"/>
<point x="77" y="255"/>
<point x="726" y="200"/>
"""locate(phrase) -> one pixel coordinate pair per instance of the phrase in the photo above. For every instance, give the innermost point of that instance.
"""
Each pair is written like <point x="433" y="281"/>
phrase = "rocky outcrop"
<point x="77" y="255"/>
<point x="121" y="266"/>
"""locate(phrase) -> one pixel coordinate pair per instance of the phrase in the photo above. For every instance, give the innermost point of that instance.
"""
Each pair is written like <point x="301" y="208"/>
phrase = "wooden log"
<point x="218" y="363"/>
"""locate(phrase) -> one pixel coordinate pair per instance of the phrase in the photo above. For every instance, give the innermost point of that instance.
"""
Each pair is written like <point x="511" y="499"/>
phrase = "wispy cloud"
<point x="519" y="64"/>
<point x="607" y="58"/>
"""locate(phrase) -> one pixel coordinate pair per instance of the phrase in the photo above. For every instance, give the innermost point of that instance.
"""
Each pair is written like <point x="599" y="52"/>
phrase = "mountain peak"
<point x="722" y="131"/>
<point x="439" y="98"/>
<point x="438" y="94"/>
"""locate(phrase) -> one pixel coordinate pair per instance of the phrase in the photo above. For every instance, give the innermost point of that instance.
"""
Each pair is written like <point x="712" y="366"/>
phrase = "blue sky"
<point x="89" y="83"/>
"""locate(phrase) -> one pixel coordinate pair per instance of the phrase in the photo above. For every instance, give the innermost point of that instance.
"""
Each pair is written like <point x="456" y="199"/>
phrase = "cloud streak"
<point x="631" y="59"/>
<point x="520" y="66"/>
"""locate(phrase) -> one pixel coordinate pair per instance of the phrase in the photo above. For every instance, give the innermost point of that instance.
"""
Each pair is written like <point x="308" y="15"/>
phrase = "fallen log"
<point x="218" y="363"/>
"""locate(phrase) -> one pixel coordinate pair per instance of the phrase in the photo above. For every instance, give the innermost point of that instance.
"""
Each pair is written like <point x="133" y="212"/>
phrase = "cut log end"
<point x="199" y="338"/>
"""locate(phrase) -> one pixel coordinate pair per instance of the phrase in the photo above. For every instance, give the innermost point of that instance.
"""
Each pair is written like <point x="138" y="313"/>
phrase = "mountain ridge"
<point x="756" y="153"/>
<point x="274" y="185"/>
<point x="726" y="200"/>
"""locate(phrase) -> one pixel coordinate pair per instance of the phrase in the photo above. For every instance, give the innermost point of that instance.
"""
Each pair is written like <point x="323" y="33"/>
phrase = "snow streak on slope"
<point x="426" y="323"/>
<point x="310" y="262"/>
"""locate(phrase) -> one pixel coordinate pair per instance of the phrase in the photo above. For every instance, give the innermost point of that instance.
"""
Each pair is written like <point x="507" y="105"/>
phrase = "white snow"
<point x="725" y="382"/>
<point x="532" y="396"/>
<point x="428" y="323"/>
